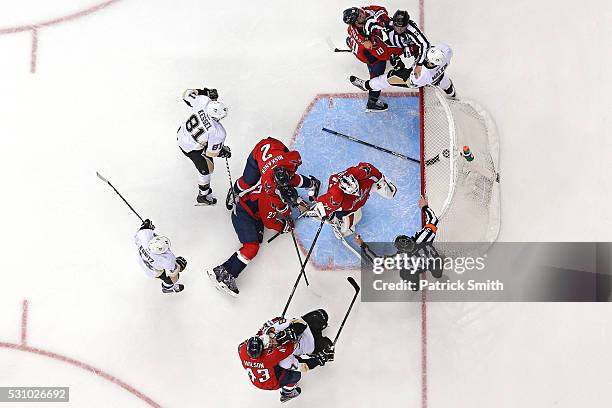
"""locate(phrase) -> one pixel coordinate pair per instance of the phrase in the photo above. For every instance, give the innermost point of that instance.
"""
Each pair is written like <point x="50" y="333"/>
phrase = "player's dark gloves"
<point x="286" y="335"/>
<point x="313" y="360"/>
<point x="182" y="262"/>
<point x="396" y="62"/>
<point x="329" y="353"/>
<point x="211" y="93"/>
<point x="147" y="224"/>
<point x="225" y="152"/>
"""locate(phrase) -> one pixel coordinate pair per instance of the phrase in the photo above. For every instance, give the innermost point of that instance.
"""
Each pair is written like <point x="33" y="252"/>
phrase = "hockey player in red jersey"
<point x="365" y="39"/>
<point x="255" y="211"/>
<point x="282" y="350"/>
<point x="273" y="165"/>
<point x="347" y="192"/>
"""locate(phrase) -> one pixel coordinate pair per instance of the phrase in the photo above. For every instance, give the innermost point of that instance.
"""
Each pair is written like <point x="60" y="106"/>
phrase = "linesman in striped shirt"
<point x="417" y="245"/>
<point x="403" y="33"/>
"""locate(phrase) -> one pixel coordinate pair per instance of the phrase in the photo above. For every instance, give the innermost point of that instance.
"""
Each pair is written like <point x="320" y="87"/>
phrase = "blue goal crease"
<point x="323" y="154"/>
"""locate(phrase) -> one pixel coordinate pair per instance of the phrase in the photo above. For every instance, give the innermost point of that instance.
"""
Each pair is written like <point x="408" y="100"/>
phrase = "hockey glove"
<point x="181" y="262"/>
<point x="225" y="152"/>
<point x="313" y="360"/>
<point x="147" y="224"/>
<point x="329" y="353"/>
<point x="213" y="94"/>
<point x="286" y="335"/>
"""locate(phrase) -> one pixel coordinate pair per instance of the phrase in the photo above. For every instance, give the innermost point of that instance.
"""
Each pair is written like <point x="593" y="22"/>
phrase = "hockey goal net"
<point x="463" y="191"/>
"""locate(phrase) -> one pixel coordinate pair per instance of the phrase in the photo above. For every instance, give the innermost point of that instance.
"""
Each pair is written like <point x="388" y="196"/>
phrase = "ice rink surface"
<point x="105" y="96"/>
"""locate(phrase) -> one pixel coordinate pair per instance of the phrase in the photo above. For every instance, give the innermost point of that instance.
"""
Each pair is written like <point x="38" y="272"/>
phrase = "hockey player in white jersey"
<point x="156" y="258"/>
<point x="202" y="137"/>
<point x="433" y="72"/>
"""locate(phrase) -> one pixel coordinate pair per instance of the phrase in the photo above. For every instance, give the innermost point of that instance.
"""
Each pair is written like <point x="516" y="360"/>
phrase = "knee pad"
<point x="248" y="251"/>
<point x="317" y="319"/>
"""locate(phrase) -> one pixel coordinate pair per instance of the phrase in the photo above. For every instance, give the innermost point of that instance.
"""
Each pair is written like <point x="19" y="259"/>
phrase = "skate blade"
<point x="204" y="205"/>
<point x="376" y="110"/>
<point x="220" y="286"/>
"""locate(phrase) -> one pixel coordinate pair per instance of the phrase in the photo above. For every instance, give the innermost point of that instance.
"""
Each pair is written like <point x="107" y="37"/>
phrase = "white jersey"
<point x="432" y="76"/>
<point x="153" y="265"/>
<point x="305" y="345"/>
<point x="200" y="131"/>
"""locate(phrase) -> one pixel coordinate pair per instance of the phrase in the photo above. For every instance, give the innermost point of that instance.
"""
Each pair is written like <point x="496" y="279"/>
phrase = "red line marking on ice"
<point x="34" y="51"/>
<point x="68" y="360"/>
<point x="24" y="322"/>
<point x="35" y="27"/>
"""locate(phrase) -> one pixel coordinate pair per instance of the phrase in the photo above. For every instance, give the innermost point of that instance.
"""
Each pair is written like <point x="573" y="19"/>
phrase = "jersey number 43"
<point x="262" y="375"/>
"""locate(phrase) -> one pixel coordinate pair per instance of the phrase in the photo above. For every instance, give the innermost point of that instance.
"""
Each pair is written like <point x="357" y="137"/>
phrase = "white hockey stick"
<point x="346" y="244"/>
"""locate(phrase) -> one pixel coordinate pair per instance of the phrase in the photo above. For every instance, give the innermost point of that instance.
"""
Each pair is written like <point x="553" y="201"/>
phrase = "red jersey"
<point x="337" y="200"/>
<point x="261" y="370"/>
<point x="270" y="153"/>
<point x="371" y="31"/>
<point x="265" y="208"/>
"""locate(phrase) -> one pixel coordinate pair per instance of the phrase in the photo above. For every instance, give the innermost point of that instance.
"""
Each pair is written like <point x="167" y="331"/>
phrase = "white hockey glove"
<point x="386" y="188"/>
<point x="316" y="211"/>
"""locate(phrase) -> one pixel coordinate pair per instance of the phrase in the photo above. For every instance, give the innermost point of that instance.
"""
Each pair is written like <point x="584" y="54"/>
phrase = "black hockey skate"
<point x="176" y="288"/>
<point x="376" y="106"/>
<point x="358" y="82"/>
<point x="223" y="281"/>
<point x="207" y="199"/>
<point x="289" y="395"/>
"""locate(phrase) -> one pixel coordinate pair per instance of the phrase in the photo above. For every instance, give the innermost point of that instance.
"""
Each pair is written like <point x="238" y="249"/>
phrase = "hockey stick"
<point x="229" y="175"/>
<point x="357" y="289"/>
<point x="345" y="243"/>
<point x="299" y="256"/>
<point x="273" y="237"/>
<point x="314" y="241"/>
<point x="382" y="149"/>
<point x="341" y="50"/>
<point x="119" y="194"/>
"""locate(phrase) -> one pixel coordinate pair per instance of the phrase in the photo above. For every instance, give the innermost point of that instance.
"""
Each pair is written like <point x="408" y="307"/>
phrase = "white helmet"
<point x="439" y="54"/>
<point x="159" y="245"/>
<point x="349" y="184"/>
<point x="216" y="110"/>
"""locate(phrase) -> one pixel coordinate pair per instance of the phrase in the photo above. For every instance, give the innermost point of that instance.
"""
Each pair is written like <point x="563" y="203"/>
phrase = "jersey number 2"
<point x="262" y="375"/>
<point x="264" y="152"/>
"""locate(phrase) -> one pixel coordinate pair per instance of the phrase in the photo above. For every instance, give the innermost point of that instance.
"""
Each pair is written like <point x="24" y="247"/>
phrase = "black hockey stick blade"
<point x="382" y="149"/>
<point x="357" y="289"/>
<point x="119" y="194"/>
<point x="341" y="50"/>
<point x="354" y="284"/>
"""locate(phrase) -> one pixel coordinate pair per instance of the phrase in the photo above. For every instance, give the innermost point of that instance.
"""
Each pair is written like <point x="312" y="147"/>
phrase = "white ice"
<point x="106" y="97"/>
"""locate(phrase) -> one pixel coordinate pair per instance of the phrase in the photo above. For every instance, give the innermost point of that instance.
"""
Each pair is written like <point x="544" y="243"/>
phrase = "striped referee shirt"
<point x="428" y="232"/>
<point x="412" y="35"/>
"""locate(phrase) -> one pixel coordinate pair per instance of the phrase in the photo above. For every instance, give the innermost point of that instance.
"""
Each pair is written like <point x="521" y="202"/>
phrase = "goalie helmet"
<point x="281" y="176"/>
<point x="159" y="245"/>
<point x="350" y="15"/>
<point x="216" y="110"/>
<point x="349" y="184"/>
<point x="254" y="347"/>
<point x="288" y="195"/>
<point x="440" y="54"/>
<point x="404" y="243"/>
